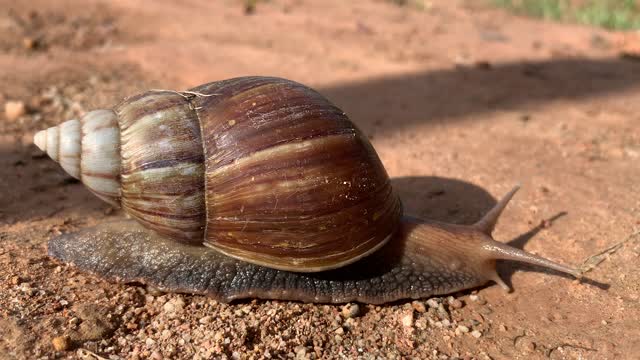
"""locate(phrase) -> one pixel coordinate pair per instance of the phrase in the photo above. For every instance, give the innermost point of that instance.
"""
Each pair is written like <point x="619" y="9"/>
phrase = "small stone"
<point x="461" y="329"/>
<point x="29" y="43"/>
<point x="477" y="299"/>
<point x="339" y="331"/>
<point x="407" y="320"/>
<point x="455" y="303"/>
<point x="218" y="336"/>
<point x="476" y="334"/>
<point x="442" y="313"/>
<point x="97" y="322"/>
<point x="433" y="303"/>
<point x="149" y="342"/>
<point x="14" y="109"/>
<point x="205" y="320"/>
<point x="61" y="343"/>
<point x="526" y="345"/>
<point x="502" y="327"/>
<point x="174" y="306"/>
<point x="349" y="323"/>
<point x="419" y="306"/>
<point x="604" y="322"/>
<point x="301" y="352"/>
<point x="350" y="311"/>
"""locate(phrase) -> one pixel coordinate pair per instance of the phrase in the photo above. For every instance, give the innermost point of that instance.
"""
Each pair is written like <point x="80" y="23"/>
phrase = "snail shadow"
<point x="395" y="102"/>
<point x="33" y="187"/>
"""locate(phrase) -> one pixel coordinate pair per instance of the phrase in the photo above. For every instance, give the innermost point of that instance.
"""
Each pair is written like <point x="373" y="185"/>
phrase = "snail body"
<point x="258" y="187"/>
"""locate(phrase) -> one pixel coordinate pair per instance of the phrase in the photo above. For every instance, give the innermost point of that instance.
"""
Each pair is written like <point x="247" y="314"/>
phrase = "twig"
<point x="548" y="352"/>
<point x="593" y="261"/>
<point x="84" y="353"/>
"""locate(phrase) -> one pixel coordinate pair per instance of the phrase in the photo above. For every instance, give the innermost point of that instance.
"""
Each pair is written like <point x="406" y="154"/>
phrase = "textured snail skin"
<point x="126" y="251"/>
<point x="423" y="259"/>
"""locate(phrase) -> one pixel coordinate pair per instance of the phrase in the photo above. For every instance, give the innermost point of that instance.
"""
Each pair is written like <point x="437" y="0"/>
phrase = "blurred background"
<point x="462" y="99"/>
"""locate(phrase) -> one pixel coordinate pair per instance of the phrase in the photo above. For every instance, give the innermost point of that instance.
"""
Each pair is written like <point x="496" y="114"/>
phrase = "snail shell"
<point x="262" y="169"/>
<point x="277" y="182"/>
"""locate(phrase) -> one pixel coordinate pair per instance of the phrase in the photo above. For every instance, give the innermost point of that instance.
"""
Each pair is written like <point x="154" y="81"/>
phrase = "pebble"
<point x="29" y="43"/>
<point x="433" y="303"/>
<point x="477" y="299"/>
<point x="407" y="320"/>
<point x="205" y="320"/>
<point x="455" y="303"/>
<point x="301" y="352"/>
<point x="166" y="334"/>
<point x="419" y="306"/>
<point x="526" y="345"/>
<point x="349" y="323"/>
<point x="14" y="109"/>
<point x="61" y="343"/>
<point x="476" y="334"/>
<point x="96" y="322"/>
<point x="442" y="313"/>
<point x="174" y="306"/>
<point x="350" y="310"/>
<point x="74" y="321"/>
<point x="461" y="329"/>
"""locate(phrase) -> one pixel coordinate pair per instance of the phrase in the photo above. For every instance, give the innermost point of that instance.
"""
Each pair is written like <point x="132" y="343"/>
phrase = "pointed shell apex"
<point x="40" y="140"/>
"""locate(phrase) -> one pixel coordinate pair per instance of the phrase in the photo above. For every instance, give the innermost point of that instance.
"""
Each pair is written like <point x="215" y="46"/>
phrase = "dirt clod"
<point x="61" y="343"/>
<point x="14" y="109"/>
<point x="350" y="310"/>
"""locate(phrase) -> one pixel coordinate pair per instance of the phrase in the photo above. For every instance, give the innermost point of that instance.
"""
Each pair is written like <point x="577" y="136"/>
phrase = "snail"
<point x="259" y="187"/>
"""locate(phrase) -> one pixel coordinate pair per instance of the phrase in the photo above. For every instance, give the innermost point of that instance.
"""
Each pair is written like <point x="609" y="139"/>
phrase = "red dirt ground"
<point x="460" y="101"/>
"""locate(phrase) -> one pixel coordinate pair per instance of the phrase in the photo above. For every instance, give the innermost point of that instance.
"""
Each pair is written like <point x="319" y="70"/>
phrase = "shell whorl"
<point x="89" y="150"/>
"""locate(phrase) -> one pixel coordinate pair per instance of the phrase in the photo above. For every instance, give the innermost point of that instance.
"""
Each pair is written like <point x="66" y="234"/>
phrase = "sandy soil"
<point x="460" y="101"/>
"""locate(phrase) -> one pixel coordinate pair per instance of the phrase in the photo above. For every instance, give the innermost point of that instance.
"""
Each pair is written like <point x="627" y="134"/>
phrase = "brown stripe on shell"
<point x="252" y="114"/>
<point x="290" y="182"/>
<point x="162" y="164"/>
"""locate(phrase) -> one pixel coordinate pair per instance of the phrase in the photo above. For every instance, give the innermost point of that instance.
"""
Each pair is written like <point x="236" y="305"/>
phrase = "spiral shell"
<point x="87" y="149"/>
<point x="262" y="169"/>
